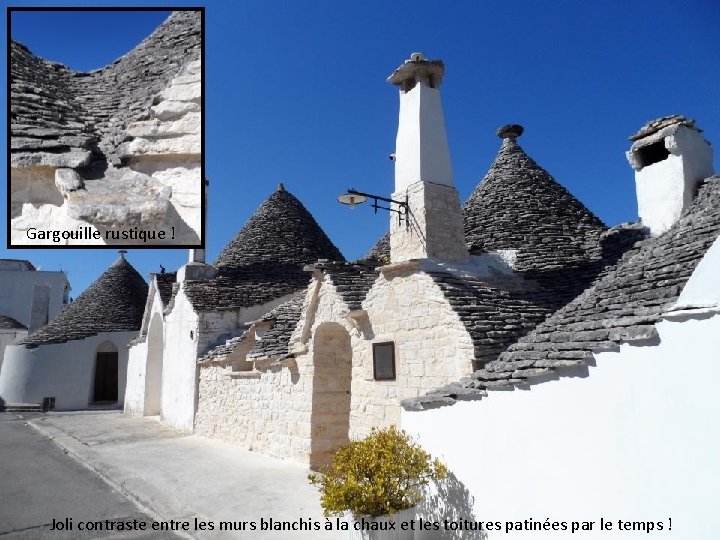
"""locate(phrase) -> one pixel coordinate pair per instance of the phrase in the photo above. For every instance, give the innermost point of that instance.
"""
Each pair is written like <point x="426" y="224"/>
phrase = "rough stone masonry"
<point x="112" y="148"/>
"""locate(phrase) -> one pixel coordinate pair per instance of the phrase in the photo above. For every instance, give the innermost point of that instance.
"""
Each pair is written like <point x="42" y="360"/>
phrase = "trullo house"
<point x="516" y="335"/>
<point x="79" y="358"/>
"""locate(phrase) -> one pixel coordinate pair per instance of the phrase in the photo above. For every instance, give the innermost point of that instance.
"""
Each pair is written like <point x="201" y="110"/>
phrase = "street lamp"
<point x="353" y="197"/>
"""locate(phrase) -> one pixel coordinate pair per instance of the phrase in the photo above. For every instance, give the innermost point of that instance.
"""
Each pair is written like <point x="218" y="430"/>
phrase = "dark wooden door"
<point x="106" y="377"/>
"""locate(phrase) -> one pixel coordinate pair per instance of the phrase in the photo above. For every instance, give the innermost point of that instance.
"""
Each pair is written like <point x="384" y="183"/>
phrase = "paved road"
<point x="39" y="484"/>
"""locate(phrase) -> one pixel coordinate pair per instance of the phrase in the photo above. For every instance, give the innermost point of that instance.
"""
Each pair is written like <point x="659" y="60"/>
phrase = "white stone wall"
<point x="188" y="336"/>
<point x="267" y="412"/>
<point x="635" y="440"/>
<point x="17" y="289"/>
<point x="433" y="227"/>
<point x="138" y="355"/>
<point x="432" y="347"/>
<point x="270" y="410"/>
<point x="179" y="382"/>
<point x="65" y="371"/>
<point x="135" y="389"/>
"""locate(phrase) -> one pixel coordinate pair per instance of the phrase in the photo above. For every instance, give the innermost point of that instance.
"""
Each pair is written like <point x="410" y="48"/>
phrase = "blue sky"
<point x="296" y="93"/>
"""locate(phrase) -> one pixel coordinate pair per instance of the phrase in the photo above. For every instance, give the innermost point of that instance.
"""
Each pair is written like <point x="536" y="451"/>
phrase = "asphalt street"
<point x="40" y="484"/>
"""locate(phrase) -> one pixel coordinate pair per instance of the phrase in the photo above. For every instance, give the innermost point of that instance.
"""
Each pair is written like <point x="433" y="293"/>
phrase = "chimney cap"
<point x="418" y="67"/>
<point x="659" y="124"/>
<point x="510" y="131"/>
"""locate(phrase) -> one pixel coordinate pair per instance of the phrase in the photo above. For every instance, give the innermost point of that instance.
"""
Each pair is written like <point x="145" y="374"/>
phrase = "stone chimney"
<point x="423" y="174"/>
<point x="670" y="158"/>
<point x="198" y="255"/>
<point x="196" y="267"/>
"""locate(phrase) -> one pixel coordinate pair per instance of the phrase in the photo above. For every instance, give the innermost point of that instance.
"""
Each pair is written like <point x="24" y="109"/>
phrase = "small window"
<point x="384" y="361"/>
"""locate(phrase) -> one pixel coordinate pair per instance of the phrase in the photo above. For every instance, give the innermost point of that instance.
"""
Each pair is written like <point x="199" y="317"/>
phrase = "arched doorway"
<point x="330" y="419"/>
<point x="106" y="373"/>
<point x="153" y="367"/>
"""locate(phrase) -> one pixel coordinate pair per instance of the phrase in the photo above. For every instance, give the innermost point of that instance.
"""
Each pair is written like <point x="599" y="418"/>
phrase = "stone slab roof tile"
<point x="520" y="206"/>
<point x="165" y="284"/>
<point x="661" y="123"/>
<point x="275" y="342"/>
<point x="496" y="311"/>
<point x="381" y="250"/>
<point x="266" y="258"/>
<point x="280" y="230"/>
<point x="223" y="350"/>
<point x="351" y="280"/>
<point x="247" y="286"/>
<point x="8" y="323"/>
<point x="115" y="302"/>
<point x="64" y="117"/>
<point x="623" y="305"/>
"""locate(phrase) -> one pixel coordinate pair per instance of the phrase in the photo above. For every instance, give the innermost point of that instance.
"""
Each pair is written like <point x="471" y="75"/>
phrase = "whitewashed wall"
<point x="179" y="383"/>
<point x="65" y="371"/>
<point x="17" y="289"/>
<point x="638" y="439"/>
<point x="8" y="336"/>
<point x="138" y="355"/>
<point x="135" y="388"/>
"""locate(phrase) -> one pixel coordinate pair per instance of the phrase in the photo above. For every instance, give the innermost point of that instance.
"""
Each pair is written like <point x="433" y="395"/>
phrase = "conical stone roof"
<point x="266" y="258"/>
<point x="520" y="206"/>
<point x="280" y="230"/>
<point x="113" y="303"/>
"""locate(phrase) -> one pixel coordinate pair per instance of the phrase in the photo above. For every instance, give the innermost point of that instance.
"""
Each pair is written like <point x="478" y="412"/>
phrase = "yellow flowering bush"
<point x="380" y="474"/>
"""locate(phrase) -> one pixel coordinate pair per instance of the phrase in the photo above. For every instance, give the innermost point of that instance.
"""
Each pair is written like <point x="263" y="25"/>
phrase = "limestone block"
<point x="182" y="92"/>
<point x="141" y="201"/>
<point x="187" y="124"/>
<point x="172" y="110"/>
<point x="186" y="144"/>
<point x="72" y="159"/>
<point x="68" y="180"/>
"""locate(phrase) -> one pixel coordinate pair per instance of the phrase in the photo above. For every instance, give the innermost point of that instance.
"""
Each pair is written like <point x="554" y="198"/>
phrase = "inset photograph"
<point x="108" y="155"/>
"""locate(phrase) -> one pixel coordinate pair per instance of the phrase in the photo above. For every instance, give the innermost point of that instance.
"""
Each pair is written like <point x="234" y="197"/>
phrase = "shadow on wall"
<point x="450" y="505"/>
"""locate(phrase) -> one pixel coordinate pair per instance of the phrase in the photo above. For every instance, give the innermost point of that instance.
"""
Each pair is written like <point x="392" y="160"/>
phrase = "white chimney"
<point x="196" y="267"/>
<point x="670" y="158"/>
<point x="423" y="173"/>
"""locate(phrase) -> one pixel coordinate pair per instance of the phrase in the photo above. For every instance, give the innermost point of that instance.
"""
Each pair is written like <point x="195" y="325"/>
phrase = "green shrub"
<point x="381" y="474"/>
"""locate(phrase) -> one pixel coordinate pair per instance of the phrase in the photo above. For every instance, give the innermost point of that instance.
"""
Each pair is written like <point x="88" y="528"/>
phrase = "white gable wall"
<point x="137" y="356"/>
<point x="179" y="382"/>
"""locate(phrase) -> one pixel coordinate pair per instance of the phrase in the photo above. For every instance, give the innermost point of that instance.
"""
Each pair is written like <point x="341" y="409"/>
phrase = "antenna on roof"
<point x="122" y="253"/>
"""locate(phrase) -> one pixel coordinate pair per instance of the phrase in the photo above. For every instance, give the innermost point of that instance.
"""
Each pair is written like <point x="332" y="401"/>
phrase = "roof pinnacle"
<point x="510" y="131"/>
